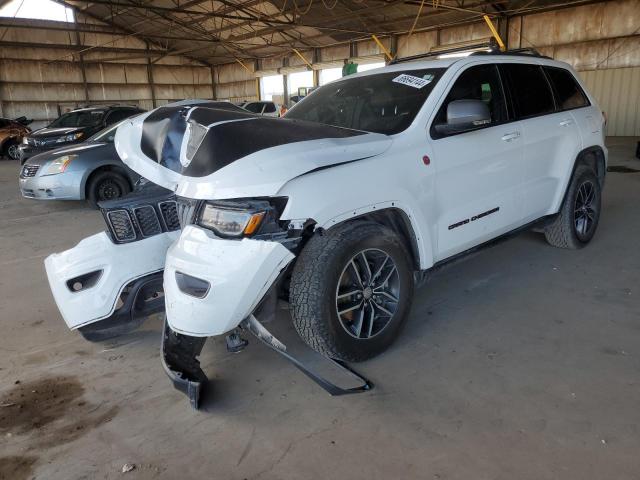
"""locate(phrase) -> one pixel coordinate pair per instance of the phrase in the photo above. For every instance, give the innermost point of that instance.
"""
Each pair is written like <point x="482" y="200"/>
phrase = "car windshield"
<point x="80" y="118"/>
<point x="107" y="135"/>
<point x="383" y="103"/>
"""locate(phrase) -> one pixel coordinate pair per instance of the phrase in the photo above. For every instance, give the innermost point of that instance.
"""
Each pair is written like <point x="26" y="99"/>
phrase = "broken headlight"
<point x="230" y="223"/>
<point x="238" y="218"/>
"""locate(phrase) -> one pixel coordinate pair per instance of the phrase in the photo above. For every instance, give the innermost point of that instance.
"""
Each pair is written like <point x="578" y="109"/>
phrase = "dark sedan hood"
<point x="47" y="132"/>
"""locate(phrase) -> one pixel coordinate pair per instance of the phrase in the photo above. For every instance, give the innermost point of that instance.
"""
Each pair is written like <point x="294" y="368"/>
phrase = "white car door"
<point x="478" y="172"/>
<point x="551" y="137"/>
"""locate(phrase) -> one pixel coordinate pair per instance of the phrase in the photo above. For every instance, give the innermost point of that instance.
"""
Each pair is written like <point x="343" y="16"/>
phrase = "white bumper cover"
<point x="239" y="272"/>
<point x="120" y="264"/>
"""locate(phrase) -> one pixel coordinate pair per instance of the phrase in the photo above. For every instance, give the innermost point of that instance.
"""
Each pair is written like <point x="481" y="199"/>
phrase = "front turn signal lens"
<point x="254" y="223"/>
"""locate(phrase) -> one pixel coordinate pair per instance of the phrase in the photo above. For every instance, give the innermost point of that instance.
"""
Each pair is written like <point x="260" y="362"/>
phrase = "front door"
<point x="478" y="172"/>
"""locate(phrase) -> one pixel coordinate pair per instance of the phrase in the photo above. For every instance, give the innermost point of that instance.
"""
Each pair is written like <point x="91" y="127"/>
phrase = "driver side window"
<point x="481" y="82"/>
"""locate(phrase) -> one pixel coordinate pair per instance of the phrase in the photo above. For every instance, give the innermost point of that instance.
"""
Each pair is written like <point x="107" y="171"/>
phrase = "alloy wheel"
<point x="368" y="293"/>
<point x="585" y="209"/>
<point x="13" y="152"/>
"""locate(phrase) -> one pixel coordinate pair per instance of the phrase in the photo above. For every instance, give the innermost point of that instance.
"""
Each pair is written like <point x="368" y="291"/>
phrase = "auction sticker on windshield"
<point x="411" y="81"/>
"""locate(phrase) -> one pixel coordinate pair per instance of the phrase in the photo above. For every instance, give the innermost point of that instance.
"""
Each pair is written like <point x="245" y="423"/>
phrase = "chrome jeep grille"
<point x="29" y="171"/>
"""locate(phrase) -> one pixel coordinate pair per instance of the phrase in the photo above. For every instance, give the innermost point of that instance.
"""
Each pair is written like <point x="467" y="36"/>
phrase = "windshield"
<point x="80" y="118"/>
<point x="383" y="103"/>
<point x="107" y="135"/>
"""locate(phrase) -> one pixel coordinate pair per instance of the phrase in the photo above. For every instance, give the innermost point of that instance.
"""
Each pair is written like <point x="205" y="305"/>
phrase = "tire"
<point x="328" y="267"/>
<point x="577" y="220"/>
<point x="106" y="186"/>
<point x="10" y="150"/>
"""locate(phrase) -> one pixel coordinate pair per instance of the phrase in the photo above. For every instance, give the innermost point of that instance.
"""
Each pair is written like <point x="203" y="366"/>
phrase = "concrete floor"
<point x="522" y="362"/>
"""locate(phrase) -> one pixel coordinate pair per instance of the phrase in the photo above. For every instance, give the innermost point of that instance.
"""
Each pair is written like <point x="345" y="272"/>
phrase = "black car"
<point x="73" y="127"/>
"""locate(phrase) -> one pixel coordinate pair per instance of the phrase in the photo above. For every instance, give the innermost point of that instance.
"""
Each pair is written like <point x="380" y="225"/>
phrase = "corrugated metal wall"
<point x="618" y="93"/>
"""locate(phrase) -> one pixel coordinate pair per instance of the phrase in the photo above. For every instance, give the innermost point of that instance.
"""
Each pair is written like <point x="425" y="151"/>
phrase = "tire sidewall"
<point x="343" y="341"/>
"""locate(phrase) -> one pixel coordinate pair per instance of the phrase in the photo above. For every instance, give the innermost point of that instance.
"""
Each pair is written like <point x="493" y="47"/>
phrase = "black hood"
<point x="214" y="137"/>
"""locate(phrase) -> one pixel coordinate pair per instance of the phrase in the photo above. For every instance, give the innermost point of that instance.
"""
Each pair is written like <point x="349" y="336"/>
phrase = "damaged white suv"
<point x="365" y="186"/>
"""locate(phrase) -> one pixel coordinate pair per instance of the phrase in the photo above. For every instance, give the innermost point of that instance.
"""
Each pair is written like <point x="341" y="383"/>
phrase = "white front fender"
<point x="119" y="265"/>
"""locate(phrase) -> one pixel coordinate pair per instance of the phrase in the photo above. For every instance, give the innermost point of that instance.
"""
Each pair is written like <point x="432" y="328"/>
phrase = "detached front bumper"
<point x="236" y="274"/>
<point x="87" y="281"/>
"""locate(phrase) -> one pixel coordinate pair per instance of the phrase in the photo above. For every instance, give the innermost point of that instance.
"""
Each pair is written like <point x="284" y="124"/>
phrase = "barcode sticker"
<point x="411" y="81"/>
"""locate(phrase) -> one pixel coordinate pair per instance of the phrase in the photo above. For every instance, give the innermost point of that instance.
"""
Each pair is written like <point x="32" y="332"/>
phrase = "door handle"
<point x="507" y="137"/>
<point x="566" y="123"/>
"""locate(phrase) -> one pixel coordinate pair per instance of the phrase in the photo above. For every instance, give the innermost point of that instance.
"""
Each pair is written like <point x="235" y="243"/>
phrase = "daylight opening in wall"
<point x="37" y="9"/>
<point x="299" y="79"/>
<point x="330" y="74"/>
<point x="370" y="66"/>
<point x="270" y="86"/>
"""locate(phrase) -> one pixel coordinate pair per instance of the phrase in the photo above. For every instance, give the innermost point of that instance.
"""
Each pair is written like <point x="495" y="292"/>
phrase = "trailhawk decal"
<point x="474" y="218"/>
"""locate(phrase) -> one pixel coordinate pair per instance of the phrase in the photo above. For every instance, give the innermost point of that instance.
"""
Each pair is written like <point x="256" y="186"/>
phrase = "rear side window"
<point x="269" y="108"/>
<point x="567" y="90"/>
<point x="118" y="115"/>
<point x="254" y="107"/>
<point x="530" y="91"/>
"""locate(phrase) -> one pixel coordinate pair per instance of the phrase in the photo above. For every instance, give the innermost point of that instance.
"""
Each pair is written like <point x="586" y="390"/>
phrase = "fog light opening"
<point x="192" y="286"/>
<point x="83" y="282"/>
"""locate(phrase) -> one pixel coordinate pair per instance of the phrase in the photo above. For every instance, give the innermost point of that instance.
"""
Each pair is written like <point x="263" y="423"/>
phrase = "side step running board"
<point x="252" y="324"/>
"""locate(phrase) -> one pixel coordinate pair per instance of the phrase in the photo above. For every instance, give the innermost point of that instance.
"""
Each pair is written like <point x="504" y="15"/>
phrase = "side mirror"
<point x="465" y="115"/>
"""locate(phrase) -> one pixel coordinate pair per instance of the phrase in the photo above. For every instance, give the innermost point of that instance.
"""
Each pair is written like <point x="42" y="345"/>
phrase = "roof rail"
<point x="525" y="52"/>
<point x="489" y="47"/>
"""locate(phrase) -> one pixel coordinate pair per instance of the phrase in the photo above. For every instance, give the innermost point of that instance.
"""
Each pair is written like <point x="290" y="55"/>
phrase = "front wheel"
<point x="577" y="221"/>
<point x="351" y="291"/>
<point x="106" y="186"/>
<point x="11" y="150"/>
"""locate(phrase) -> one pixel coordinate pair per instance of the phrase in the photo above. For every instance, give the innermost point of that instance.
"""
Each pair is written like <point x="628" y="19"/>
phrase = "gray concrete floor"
<point x="522" y="362"/>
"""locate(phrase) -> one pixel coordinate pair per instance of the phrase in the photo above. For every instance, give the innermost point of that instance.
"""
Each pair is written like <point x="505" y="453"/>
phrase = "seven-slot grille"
<point x="29" y="171"/>
<point x="142" y="220"/>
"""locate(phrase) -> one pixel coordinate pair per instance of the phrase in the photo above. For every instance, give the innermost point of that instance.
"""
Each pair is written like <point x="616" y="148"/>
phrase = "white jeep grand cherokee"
<point x="340" y="207"/>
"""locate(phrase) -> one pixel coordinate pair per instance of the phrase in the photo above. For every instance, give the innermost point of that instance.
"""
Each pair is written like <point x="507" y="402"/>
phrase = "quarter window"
<point x="254" y="107"/>
<point x="530" y="91"/>
<point x="568" y="93"/>
<point x="269" y="108"/>
<point x="481" y="82"/>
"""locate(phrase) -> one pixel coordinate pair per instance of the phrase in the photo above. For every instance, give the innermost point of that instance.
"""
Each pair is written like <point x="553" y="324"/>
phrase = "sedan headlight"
<point x="59" y="165"/>
<point x="230" y="222"/>
<point x="70" y="138"/>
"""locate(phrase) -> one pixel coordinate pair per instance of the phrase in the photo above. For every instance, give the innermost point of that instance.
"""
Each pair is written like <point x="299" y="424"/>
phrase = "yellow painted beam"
<point x="244" y="66"/>
<point x="382" y="47"/>
<point x="303" y="58"/>
<point x="494" y="32"/>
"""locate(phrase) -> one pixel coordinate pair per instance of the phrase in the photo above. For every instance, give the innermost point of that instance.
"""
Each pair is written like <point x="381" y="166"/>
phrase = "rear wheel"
<point x="579" y="214"/>
<point x="106" y="186"/>
<point x="351" y="291"/>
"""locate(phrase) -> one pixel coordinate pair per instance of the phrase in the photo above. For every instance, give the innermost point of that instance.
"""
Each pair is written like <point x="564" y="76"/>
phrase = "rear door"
<point x="550" y="140"/>
<point x="478" y="172"/>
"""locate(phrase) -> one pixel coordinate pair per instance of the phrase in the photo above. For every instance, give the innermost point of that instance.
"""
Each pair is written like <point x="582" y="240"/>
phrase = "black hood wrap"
<point x="219" y="136"/>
